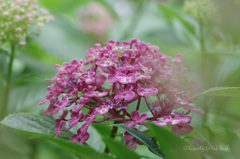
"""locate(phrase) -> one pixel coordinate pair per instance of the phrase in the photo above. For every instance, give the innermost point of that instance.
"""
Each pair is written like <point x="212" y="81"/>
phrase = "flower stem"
<point x="148" y="105"/>
<point x="202" y="37"/>
<point x="113" y="133"/>
<point x="204" y="66"/>
<point x="138" y="103"/>
<point x="4" y="108"/>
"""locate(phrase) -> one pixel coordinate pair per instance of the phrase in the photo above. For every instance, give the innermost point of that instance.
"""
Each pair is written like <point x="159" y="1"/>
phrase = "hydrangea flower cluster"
<point x="17" y="18"/>
<point x="95" y="19"/>
<point x="113" y="77"/>
<point x="201" y="9"/>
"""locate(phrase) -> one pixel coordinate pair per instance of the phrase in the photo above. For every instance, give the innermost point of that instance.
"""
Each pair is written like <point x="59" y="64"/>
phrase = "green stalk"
<point x="113" y="133"/>
<point x="4" y="109"/>
<point x="204" y="67"/>
<point x="202" y="38"/>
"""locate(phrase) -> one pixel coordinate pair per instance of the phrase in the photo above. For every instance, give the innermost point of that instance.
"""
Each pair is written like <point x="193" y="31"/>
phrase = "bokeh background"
<point x="206" y="32"/>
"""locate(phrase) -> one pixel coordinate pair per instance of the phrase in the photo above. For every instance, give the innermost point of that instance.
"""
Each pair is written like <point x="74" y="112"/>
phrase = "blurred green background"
<point x="206" y="32"/>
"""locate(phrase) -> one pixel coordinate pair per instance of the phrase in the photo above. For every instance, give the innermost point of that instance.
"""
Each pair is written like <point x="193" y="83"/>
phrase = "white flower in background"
<point x="201" y="9"/>
<point x="95" y="19"/>
<point x="20" y="19"/>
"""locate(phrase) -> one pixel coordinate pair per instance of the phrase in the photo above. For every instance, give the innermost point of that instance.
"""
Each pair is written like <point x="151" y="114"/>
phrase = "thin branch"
<point x="8" y="79"/>
<point x="139" y="102"/>
<point x="148" y="105"/>
<point x="113" y="133"/>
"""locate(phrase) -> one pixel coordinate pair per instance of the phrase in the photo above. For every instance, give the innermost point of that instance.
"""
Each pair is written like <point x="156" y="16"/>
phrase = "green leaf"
<point x="27" y="97"/>
<point x="222" y="91"/>
<point x="60" y="6"/>
<point x="43" y="127"/>
<point x="81" y="151"/>
<point x="171" y="145"/>
<point x="120" y="150"/>
<point x="2" y="51"/>
<point x="145" y="139"/>
<point x="173" y="13"/>
<point x="35" y="124"/>
<point x="103" y="128"/>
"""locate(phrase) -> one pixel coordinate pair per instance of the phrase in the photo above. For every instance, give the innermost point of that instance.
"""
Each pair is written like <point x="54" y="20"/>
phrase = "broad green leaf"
<point x="172" y="13"/>
<point x="43" y="127"/>
<point x="35" y="124"/>
<point x="2" y="51"/>
<point x="222" y="91"/>
<point x="60" y="6"/>
<point x="145" y="139"/>
<point x="95" y="141"/>
<point x="82" y="151"/>
<point x="34" y="63"/>
<point x="103" y="128"/>
<point x="171" y="145"/>
<point x="12" y="145"/>
<point x="27" y="97"/>
<point x="36" y="51"/>
<point x="118" y="149"/>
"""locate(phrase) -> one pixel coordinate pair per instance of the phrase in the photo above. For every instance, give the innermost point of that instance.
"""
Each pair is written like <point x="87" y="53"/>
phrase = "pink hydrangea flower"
<point x="147" y="91"/>
<point x="95" y="19"/>
<point x="112" y="77"/>
<point x="127" y="94"/>
<point x="136" y="118"/>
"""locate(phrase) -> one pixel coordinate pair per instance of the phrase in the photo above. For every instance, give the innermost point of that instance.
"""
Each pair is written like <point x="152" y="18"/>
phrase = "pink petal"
<point x="84" y="127"/>
<point x="185" y="119"/>
<point x="130" y="95"/>
<point x="84" y="137"/>
<point x="148" y="91"/>
<point x="167" y="119"/>
<point x="177" y="130"/>
<point x="131" y="144"/>
<point x="42" y="101"/>
<point x="128" y="88"/>
<point x="74" y="138"/>
<point x="187" y="128"/>
<point x="102" y="110"/>
<point x="64" y="114"/>
<point x="199" y="111"/>
<point x="118" y="97"/>
<point x="178" y="59"/>
<point x="142" y="118"/>
<point x="135" y="115"/>
<point x="101" y="94"/>
<point x="75" y="119"/>
<point x="59" y="128"/>
<point x="130" y="123"/>
<point x="76" y="108"/>
<point x="112" y="78"/>
<point x="161" y="123"/>
<point x="127" y="136"/>
<point x="176" y="121"/>
<point x="191" y="107"/>
<point x="100" y="79"/>
<point x="125" y="79"/>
